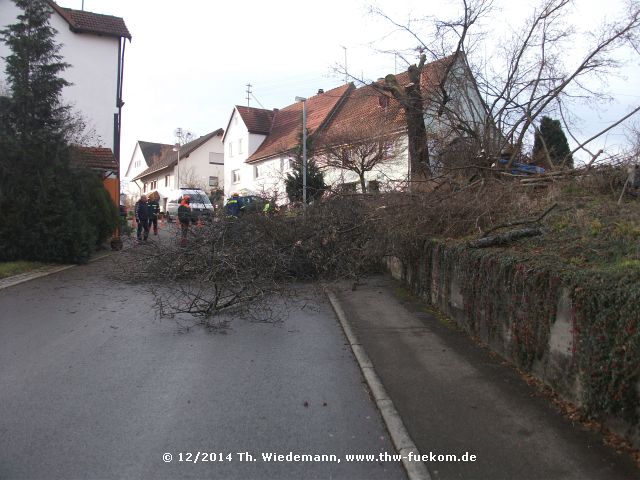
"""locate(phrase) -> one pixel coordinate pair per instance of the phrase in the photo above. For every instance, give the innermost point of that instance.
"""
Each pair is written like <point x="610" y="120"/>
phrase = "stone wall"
<point x="439" y="276"/>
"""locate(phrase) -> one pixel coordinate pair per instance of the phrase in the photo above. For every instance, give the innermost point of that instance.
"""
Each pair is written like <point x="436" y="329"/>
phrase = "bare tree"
<point x="531" y="75"/>
<point x="190" y="179"/>
<point x="183" y="135"/>
<point x="361" y="148"/>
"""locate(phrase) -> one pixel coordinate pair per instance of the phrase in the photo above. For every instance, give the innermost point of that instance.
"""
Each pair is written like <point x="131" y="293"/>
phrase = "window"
<point x="285" y="164"/>
<point x="373" y="186"/>
<point x="166" y="180"/>
<point x="345" y="154"/>
<point x="230" y="149"/>
<point x="235" y="176"/>
<point x="240" y="146"/>
<point x="259" y="171"/>
<point x="144" y="189"/>
<point x="213" y="159"/>
<point x="213" y="182"/>
<point x="350" y="187"/>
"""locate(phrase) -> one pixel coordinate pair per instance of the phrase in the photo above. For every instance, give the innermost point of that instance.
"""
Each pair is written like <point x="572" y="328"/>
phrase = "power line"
<point x="254" y="97"/>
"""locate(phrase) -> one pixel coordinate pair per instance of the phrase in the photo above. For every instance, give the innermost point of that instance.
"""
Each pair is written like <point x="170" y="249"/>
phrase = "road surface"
<point x="93" y="385"/>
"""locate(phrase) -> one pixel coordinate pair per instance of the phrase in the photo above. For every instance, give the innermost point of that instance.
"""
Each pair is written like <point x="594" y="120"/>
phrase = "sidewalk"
<point x="454" y="397"/>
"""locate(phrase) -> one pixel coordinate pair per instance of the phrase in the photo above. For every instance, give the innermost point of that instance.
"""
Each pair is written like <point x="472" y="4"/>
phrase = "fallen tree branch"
<point x="505" y="237"/>
<point x="521" y="222"/>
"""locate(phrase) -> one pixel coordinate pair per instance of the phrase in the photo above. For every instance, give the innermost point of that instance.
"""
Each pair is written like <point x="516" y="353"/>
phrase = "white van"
<point x="199" y="202"/>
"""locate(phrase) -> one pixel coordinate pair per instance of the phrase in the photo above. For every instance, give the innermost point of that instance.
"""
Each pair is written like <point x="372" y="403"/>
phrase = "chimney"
<point x="320" y="91"/>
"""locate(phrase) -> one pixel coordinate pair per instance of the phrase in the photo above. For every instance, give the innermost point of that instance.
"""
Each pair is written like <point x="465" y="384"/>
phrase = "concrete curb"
<point x="397" y="431"/>
<point x="42" y="272"/>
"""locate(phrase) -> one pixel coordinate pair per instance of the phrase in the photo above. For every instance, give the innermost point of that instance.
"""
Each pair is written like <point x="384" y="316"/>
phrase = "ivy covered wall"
<point x="574" y="328"/>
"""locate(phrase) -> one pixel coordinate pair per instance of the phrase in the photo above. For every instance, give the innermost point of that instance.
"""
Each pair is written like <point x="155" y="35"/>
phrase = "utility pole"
<point x="248" y="93"/>
<point x="304" y="150"/>
<point x="346" y="74"/>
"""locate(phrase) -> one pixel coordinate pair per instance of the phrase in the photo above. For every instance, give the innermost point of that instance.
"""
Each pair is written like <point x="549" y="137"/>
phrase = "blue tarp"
<point x="521" y="168"/>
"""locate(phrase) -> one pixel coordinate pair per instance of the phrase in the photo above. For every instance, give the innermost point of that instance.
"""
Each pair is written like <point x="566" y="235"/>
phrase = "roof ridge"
<point x="116" y="27"/>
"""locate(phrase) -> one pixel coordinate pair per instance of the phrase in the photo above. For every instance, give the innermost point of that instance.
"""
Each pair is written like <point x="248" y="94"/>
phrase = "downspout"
<point x="119" y="103"/>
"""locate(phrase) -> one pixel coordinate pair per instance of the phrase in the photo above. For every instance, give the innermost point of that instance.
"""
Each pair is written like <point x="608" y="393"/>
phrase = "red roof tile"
<point x="257" y="120"/>
<point x="368" y="106"/>
<point x="87" y="22"/>
<point x="287" y="123"/>
<point x="94" y="157"/>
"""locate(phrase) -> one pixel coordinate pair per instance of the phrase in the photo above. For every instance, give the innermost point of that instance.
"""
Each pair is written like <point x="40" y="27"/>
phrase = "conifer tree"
<point x="36" y="113"/>
<point x="550" y="138"/>
<point x="315" y="179"/>
<point x="47" y="209"/>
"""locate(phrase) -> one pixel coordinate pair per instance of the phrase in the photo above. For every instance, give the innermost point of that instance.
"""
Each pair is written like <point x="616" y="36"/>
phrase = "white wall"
<point x="94" y="72"/>
<point x="391" y="174"/>
<point x="235" y="160"/>
<point x="8" y="15"/>
<point x="271" y="177"/>
<point x="137" y="165"/>
<point x="196" y="166"/>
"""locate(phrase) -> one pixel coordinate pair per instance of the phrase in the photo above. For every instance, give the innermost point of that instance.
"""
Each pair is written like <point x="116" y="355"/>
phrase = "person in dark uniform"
<point x="154" y="210"/>
<point x="185" y="217"/>
<point x="142" y="218"/>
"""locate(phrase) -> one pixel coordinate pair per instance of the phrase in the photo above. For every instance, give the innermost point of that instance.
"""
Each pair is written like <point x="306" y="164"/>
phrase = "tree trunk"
<point x="410" y="97"/>
<point x="363" y="184"/>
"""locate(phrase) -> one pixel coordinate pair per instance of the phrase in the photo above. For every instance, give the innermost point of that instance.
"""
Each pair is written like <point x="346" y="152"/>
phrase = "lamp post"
<point x="176" y="148"/>
<point x="304" y="150"/>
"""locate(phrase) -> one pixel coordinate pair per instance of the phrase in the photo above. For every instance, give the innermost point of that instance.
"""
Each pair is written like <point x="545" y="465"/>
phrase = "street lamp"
<point x="304" y="150"/>
<point x="176" y="148"/>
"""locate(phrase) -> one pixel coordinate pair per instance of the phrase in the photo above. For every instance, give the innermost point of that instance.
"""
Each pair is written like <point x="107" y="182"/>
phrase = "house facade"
<point x="246" y="131"/>
<point x="144" y="155"/>
<point x="273" y="138"/>
<point x="197" y="164"/>
<point x="94" y="46"/>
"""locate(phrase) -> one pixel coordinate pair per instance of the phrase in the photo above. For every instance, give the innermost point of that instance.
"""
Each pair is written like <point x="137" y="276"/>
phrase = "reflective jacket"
<point x="232" y="207"/>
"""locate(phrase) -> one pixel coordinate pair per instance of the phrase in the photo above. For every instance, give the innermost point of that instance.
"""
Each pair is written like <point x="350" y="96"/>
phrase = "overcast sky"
<point x="189" y="62"/>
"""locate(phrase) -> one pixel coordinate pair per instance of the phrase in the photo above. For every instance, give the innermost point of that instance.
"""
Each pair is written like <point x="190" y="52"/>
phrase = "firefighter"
<point x="233" y="206"/>
<point x="185" y="218"/>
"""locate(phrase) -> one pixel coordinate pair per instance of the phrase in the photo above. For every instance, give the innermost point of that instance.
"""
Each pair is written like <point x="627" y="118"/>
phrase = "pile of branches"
<point x="234" y="265"/>
<point x="231" y="264"/>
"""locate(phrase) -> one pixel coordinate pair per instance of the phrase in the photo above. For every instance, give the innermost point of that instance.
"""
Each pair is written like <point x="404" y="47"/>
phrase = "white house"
<point x="271" y="136"/>
<point x="246" y="130"/>
<point x="197" y="164"/>
<point x="144" y="155"/>
<point x="94" y="46"/>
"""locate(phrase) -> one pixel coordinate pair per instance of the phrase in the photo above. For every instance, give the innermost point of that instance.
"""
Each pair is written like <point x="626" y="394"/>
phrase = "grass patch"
<point x="8" y="269"/>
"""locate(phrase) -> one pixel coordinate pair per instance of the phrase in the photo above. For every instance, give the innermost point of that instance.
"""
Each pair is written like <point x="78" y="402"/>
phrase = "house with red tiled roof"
<point x="93" y="45"/>
<point x="260" y="144"/>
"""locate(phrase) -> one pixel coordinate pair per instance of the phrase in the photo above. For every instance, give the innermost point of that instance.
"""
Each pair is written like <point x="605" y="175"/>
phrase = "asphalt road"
<point x="93" y="385"/>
